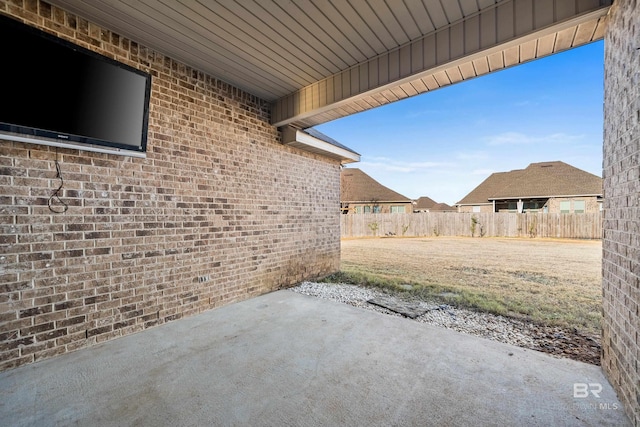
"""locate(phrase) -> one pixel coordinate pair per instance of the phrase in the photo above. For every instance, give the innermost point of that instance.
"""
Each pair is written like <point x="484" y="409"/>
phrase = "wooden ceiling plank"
<point x="505" y="22"/>
<point x="483" y="4"/>
<point x="436" y="12"/>
<point x="456" y="40"/>
<point x="512" y="56"/>
<point x="409" y="89"/>
<point x="372" y="25"/>
<point x="354" y="26"/>
<point x="488" y="29"/>
<point x="372" y="101"/>
<point x="379" y="98"/>
<point x="321" y="29"/>
<point x="452" y="11"/>
<point x="545" y="45"/>
<point x="419" y="86"/>
<point x="399" y="92"/>
<point x="443" y="47"/>
<point x="524" y="16"/>
<point x="543" y="13"/>
<point x="528" y="50"/>
<point x="584" y="33"/>
<point x="396" y="21"/>
<point x="472" y="34"/>
<point x="496" y="61"/>
<point x="442" y="78"/>
<point x="266" y="32"/>
<point x="565" y="9"/>
<point x="564" y="39"/>
<point x="392" y="97"/>
<point x="368" y="48"/>
<point x="481" y="66"/>
<point x="316" y="35"/>
<point x="467" y="70"/>
<point x="227" y="37"/>
<point x="454" y="74"/>
<point x="431" y="82"/>
<point x="194" y="49"/>
<point x="469" y="7"/>
<point x="360" y="105"/>
<point x="600" y="28"/>
<point x="420" y="16"/>
<point x="291" y="28"/>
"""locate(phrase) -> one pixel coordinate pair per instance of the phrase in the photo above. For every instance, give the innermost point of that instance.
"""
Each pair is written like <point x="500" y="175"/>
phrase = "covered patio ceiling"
<point x="319" y="60"/>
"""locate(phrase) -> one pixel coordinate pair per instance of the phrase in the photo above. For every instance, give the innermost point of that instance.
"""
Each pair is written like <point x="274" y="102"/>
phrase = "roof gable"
<point x="489" y="187"/>
<point x="442" y="207"/>
<point x="357" y="186"/>
<point x="545" y="179"/>
<point x="425" y="203"/>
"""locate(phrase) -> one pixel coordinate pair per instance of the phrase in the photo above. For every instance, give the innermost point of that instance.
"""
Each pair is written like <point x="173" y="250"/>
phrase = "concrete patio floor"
<point x="286" y="359"/>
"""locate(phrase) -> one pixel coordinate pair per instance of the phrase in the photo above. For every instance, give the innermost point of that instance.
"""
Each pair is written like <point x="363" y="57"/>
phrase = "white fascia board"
<point x="306" y="139"/>
<point x="310" y="143"/>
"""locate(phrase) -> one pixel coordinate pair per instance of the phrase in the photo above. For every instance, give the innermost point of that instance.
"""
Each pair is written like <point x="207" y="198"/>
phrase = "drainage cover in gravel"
<point x="406" y="309"/>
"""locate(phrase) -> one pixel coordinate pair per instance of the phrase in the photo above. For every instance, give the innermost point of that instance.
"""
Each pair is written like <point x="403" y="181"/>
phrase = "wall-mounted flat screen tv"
<point x="57" y="93"/>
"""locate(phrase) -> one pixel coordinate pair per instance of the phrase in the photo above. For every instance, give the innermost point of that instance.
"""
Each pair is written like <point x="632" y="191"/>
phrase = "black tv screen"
<point x="58" y="91"/>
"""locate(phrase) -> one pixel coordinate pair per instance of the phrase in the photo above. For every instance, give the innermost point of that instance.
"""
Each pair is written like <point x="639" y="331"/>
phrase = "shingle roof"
<point x="546" y="179"/>
<point x="357" y="186"/>
<point x="440" y="207"/>
<point x="425" y="203"/>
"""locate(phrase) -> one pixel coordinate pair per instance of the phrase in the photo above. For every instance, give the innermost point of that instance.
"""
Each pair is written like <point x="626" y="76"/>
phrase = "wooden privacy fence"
<point x="569" y="226"/>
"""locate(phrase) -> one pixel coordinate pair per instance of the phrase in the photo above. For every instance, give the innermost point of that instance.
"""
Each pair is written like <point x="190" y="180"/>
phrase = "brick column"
<point x="621" y="245"/>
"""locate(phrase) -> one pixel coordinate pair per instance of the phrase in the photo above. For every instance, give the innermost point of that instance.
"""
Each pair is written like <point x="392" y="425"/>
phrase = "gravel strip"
<point x="484" y="325"/>
<point x="556" y="341"/>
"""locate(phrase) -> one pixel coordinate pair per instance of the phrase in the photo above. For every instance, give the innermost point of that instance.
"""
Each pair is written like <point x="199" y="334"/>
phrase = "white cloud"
<point x="420" y="113"/>
<point x="389" y="165"/>
<point x="517" y="138"/>
<point x="471" y="155"/>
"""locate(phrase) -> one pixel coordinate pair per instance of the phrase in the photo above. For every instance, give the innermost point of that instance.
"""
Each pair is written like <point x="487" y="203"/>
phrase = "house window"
<point x="476" y="208"/>
<point x="358" y="209"/>
<point x="532" y="206"/>
<point x="377" y="209"/>
<point x="398" y="209"/>
<point x="367" y="209"/>
<point x="579" y="206"/>
<point x="565" y="206"/>
<point x="513" y="207"/>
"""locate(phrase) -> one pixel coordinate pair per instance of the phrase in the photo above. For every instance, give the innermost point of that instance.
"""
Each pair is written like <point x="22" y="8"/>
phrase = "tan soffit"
<point x="318" y="60"/>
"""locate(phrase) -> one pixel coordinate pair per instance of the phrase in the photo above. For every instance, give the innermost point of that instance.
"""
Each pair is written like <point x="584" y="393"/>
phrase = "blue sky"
<point x="442" y="144"/>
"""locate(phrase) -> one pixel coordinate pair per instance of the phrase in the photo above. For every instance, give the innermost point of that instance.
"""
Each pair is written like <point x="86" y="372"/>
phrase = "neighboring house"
<point x="542" y="187"/>
<point x="359" y="193"/>
<point x="443" y="207"/>
<point x="427" y="204"/>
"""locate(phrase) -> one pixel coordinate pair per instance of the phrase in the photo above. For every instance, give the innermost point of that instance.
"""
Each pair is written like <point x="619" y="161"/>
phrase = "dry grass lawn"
<point x="552" y="282"/>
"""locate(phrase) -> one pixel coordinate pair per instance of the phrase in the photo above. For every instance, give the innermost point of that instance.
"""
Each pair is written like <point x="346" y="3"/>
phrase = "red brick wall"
<point x="217" y="197"/>
<point x="621" y="244"/>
